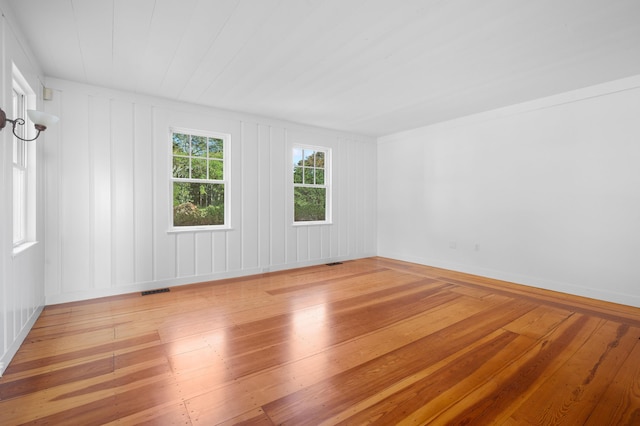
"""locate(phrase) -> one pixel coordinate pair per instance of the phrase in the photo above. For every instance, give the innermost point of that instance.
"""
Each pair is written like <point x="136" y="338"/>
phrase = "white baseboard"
<point x="567" y="288"/>
<point x="194" y="279"/>
<point x="13" y="349"/>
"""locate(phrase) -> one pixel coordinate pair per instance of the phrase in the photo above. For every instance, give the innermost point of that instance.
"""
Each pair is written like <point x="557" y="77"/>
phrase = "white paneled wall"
<point x="21" y="271"/>
<point x="109" y="199"/>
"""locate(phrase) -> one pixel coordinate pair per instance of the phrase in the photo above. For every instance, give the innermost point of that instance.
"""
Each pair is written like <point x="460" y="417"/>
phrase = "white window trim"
<point x="226" y="154"/>
<point x="328" y="176"/>
<point x="29" y="235"/>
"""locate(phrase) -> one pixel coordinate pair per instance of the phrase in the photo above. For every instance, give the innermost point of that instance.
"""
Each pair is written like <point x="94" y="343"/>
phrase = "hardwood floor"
<point x="369" y="341"/>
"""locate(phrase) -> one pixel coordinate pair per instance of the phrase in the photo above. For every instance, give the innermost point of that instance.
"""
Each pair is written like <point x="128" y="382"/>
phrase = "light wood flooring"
<point x="371" y="341"/>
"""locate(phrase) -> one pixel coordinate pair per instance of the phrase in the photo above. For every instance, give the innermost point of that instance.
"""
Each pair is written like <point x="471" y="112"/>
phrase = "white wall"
<point x="21" y="274"/>
<point x="108" y="196"/>
<point x="545" y="193"/>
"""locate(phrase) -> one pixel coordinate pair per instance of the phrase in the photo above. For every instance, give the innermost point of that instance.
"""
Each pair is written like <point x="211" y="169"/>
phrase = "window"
<point x="23" y="187"/>
<point x="311" y="185"/>
<point x="199" y="179"/>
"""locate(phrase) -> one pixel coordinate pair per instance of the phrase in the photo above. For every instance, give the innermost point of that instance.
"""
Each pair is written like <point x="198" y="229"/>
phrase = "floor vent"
<point x="160" y="290"/>
<point x="334" y="263"/>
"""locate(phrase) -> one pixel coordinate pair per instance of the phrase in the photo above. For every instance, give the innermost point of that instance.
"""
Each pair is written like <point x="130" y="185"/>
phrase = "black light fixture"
<point x="41" y="120"/>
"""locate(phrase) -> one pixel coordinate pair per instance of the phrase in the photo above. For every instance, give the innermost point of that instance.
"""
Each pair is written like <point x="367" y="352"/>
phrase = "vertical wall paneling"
<point x="75" y="189"/>
<point x="22" y="270"/>
<point x="100" y="162"/>
<point x="360" y="182"/>
<point x="4" y="211"/>
<point x="10" y="289"/>
<point x="280" y="172"/>
<point x="264" y="196"/>
<point x="301" y="246"/>
<point x="314" y="244"/>
<point x="234" y="236"/>
<point x="123" y="184"/>
<point x="369" y="198"/>
<point x="53" y="201"/>
<point x="143" y="193"/>
<point x="325" y="242"/>
<point x="341" y="173"/>
<point x="124" y="213"/>
<point x="352" y="176"/>
<point x="337" y="214"/>
<point x="219" y="245"/>
<point x="291" y="232"/>
<point x="204" y="253"/>
<point x="164" y="249"/>
<point x="250" y="182"/>
<point x="185" y="254"/>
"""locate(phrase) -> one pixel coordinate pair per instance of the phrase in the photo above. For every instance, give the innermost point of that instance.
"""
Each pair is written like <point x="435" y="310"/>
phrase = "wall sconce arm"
<point x="40" y="119"/>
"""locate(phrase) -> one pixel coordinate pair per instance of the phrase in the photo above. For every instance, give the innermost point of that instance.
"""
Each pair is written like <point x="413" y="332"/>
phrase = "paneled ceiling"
<point x="372" y="67"/>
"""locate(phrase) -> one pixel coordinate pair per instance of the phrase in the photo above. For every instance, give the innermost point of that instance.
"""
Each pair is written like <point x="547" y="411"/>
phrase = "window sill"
<point x="310" y="223"/>
<point x="188" y="229"/>
<point x="21" y="248"/>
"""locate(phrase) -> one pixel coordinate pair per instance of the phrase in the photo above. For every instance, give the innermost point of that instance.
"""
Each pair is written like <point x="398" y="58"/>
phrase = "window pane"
<point x="297" y="175"/>
<point x="308" y="157"/>
<point x="200" y="161"/>
<point x="198" y="146"/>
<point x="216" y="147"/>
<point x="180" y="167"/>
<point x="216" y="170"/>
<point x="320" y="159"/>
<point x="319" y="177"/>
<point x="19" y="205"/>
<point x="308" y="176"/>
<point x="309" y="204"/>
<point x="198" y="168"/>
<point x="180" y="144"/>
<point x="198" y="204"/>
<point x="297" y="157"/>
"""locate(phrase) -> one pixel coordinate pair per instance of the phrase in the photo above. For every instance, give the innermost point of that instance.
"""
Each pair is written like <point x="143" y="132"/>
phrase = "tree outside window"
<point x="198" y="179"/>
<point x="310" y="184"/>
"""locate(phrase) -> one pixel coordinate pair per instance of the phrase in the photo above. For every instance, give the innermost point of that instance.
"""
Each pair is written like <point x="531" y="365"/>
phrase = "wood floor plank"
<point x="172" y="413"/>
<point x="539" y="321"/>
<point x="371" y="341"/>
<point x="330" y="361"/>
<point x="94" y="350"/>
<point x="323" y="282"/>
<point x="620" y="403"/>
<point x="584" y="376"/>
<point x="23" y="386"/>
<point x="398" y="405"/>
<point x="313" y="404"/>
<point x="452" y="395"/>
<point x="495" y="404"/>
<point x="220" y="405"/>
<point x="253" y="418"/>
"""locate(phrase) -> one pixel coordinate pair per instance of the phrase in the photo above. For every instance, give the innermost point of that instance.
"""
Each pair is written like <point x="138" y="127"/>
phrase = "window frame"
<point x="23" y="165"/>
<point x="328" y="217"/>
<point x="225" y="181"/>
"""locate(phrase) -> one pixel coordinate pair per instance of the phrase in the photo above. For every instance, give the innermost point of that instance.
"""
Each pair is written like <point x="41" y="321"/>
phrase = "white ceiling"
<point x="373" y="67"/>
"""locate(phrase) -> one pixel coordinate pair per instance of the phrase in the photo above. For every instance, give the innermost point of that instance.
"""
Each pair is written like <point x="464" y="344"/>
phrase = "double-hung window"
<point x="23" y="187"/>
<point x="311" y="185"/>
<point x="199" y="179"/>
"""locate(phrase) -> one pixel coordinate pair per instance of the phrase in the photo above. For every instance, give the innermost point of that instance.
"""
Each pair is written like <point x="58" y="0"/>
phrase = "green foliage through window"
<point x="309" y="187"/>
<point x="198" y="180"/>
